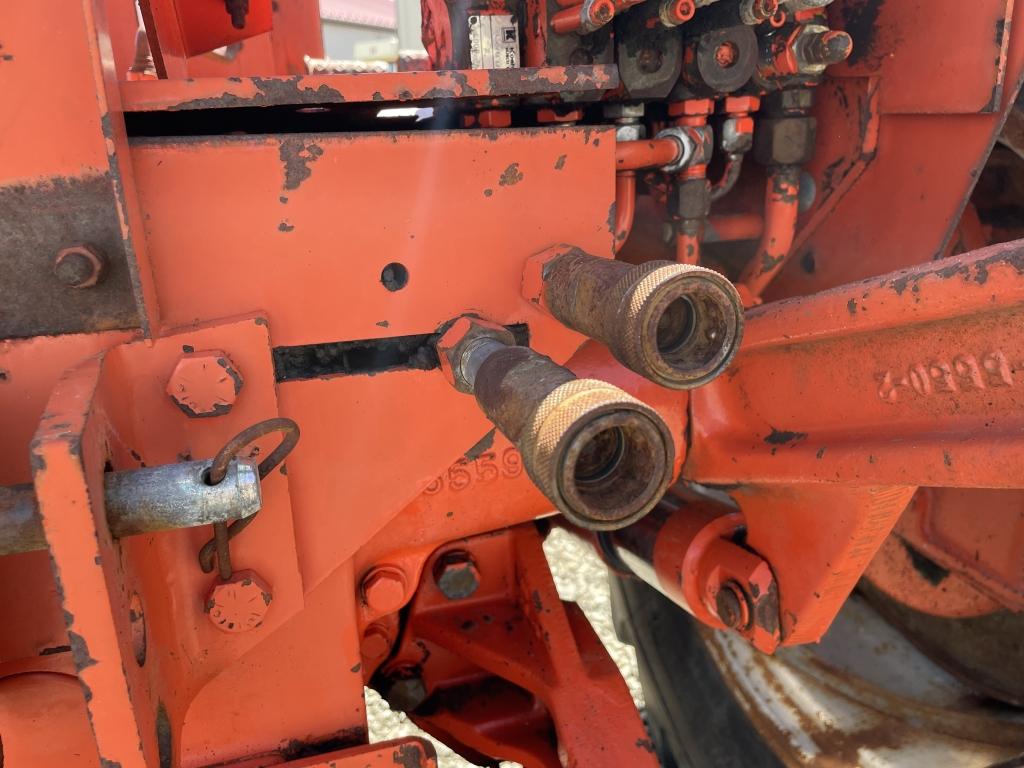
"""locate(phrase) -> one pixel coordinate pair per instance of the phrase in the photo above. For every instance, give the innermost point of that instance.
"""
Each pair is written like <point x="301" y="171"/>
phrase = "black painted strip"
<point x="365" y="357"/>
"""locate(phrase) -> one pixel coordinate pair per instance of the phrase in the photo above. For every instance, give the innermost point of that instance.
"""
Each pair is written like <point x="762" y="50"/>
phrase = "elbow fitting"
<point x="602" y="457"/>
<point x="678" y="325"/>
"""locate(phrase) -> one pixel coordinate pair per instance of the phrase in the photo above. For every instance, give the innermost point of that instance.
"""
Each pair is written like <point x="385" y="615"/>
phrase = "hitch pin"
<point x="139" y="501"/>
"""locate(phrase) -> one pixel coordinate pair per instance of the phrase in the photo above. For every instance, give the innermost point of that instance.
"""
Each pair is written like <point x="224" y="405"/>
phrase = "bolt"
<point x="456" y="575"/>
<point x="238" y="10"/>
<point x="204" y="383"/>
<point x="79" y="266"/>
<point x="726" y="54"/>
<point x="601" y="12"/>
<point x="376" y="643"/>
<point x="649" y="60"/>
<point x="384" y="589"/>
<point x="406" y="690"/>
<point x="755" y="11"/>
<point x="731" y="606"/>
<point x="616" y="110"/>
<point x="240" y="603"/>
<point x="829" y="47"/>
<point x="675" y="12"/>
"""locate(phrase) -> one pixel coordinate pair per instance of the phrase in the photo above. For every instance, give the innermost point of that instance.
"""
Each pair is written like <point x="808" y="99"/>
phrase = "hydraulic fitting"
<point x="601" y="456"/>
<point x="678" y="325"/>
<point x="696" y="145"/>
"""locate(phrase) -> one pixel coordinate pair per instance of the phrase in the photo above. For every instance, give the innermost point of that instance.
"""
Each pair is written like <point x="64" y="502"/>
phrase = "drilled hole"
<point x="394" y="276"/>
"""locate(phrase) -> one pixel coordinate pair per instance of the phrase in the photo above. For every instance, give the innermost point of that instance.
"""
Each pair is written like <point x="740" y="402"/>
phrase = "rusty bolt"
<point x="79" y="266"/>
<point x="675" y="12"/>
<point x="406" y="690"/>
<point x="204" y="384"/>
<point x="649" y="60"/>
<point x="597" y="13"/>
<point x="384" y="589"/>
<point x="755" y="11"/>
<point x="240" y="603"/>
<point x="731" y="606"/>
<point x="376" y="643"/>
<point x="456" y="575"/>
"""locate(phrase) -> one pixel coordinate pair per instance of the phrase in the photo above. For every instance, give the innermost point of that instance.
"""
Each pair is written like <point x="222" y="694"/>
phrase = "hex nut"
<point x="383" y="589"/>
<point x="686" y="147"/>
<point x="784" y="140"/>
<point x="79" y="266"/>
<point x="789" y="101"/>
<point x="732" y="606"/>
<point x="204" y="384"/>
<point x="456" y="575"/>
<point x="616" y="110"/>
<point x="240" y="603"/>
<point x="453" y="342"/>
<point x="405" y="692"/>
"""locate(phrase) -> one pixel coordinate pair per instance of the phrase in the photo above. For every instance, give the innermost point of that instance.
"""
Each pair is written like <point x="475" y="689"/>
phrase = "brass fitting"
<point x="678" y="325"/>
<point x="601" y="456"/>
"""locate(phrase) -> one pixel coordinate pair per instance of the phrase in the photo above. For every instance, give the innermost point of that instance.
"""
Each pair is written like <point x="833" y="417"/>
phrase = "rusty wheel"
<point x="865" y="695"/>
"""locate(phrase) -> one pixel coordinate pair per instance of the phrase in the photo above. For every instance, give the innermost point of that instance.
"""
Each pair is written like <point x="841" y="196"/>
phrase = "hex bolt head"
<point x="456" y="575"/>
<point x="240" y="603"/>
<point x="79" y="266"/>
<point x="406" y="691"/>
<point x="384" y="589"/>
<point x="376" y="643"/>
<point x="204" y="384"/>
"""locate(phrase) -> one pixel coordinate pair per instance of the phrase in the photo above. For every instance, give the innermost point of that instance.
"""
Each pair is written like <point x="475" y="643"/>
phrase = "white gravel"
<point x="580" y="576"/>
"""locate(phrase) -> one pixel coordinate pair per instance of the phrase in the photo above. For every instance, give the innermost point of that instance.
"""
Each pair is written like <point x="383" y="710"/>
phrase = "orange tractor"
<point x="298" y="371"/>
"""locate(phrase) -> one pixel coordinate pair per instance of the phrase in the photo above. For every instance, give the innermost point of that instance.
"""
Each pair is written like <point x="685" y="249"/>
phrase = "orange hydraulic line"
<point x="600" y="13"/>
<point x="734" y="226"/>
<point x="646" y="153"/>
<point x="688" y="247"/>
<point x="690" y="232"/>
<point x="780" y="212"/>
<point x="625" y="206"/>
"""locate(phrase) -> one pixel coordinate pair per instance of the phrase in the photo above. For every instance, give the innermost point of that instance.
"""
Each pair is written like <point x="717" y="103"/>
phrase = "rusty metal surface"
<point x="21" y="530"/>
<point x="43" y="218"/>
<point x="887" y="704"/>
<point x="298" y="90"/>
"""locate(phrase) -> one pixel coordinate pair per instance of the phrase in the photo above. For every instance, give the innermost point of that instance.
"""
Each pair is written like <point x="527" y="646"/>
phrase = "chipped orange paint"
<point x="839" y="406"/>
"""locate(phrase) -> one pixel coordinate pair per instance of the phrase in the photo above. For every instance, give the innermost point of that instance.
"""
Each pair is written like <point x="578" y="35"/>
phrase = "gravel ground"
<point x="580" y="576"/>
